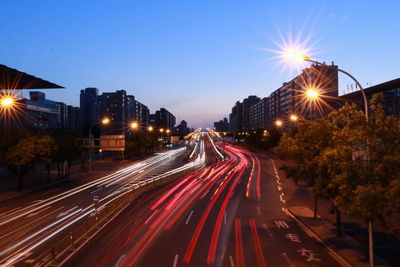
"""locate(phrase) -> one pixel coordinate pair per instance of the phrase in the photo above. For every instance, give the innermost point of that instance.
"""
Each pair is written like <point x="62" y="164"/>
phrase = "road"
<point x="231" y="213"/>
<point x="28" y="224"/>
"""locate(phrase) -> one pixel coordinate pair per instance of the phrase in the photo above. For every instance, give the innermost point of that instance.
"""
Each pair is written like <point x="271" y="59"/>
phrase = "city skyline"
<point x="168" y="55"/>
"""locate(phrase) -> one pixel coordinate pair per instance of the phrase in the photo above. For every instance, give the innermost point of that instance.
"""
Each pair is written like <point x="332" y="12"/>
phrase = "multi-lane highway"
<point x="28" y="225"/>
<point x="230" y="213"/>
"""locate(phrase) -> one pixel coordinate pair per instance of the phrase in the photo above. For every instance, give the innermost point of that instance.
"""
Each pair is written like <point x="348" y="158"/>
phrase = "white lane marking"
<point x="225" y="217"/>
<point x="175" y="260"/>
<point x="190" y="215"/>
<point x="268" y="231"/>
<point x="258" y="210"/>
<point x="151" y="216"/>
<point x="66" y="212"/>
<point x="287" y="259"/>
<point x="311" y="234"/>
<point x="281" y="198"/>
<point x="231" y="261"/>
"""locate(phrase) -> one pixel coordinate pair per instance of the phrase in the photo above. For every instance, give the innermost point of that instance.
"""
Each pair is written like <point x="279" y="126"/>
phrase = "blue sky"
<point x="196" y="58"/>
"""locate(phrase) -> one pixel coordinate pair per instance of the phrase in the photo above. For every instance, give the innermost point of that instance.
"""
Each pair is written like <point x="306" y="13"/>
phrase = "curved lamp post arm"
<point x="349" y="75"/>
<point x="370" y="232"/>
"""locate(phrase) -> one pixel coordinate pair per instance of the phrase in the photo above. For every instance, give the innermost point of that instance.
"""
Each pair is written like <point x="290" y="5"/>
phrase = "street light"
<point x="134" y="125"/>
<point x="104" y="121"/>
<point x="296" y="56"/>
<point x="161" y="130"/>
<point x="278" y="123"/>
<point x="150" y="128"/>
<point x="293" y="55"/>
<point x="294" y="117"/>
<point x="312" y="93"/>
<point x="168" y="131"/>
<point x="7" y="101"/>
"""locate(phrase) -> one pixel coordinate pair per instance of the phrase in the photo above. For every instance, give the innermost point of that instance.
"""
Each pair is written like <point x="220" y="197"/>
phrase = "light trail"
<point x="48" y="230"/>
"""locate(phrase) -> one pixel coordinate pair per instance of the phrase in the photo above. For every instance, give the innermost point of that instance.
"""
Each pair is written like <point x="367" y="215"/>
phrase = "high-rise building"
<point x="142" y="115"/>
<point x="222" y="125"/>
<point x="290" y="98"/>
<point x="182" y="129"/>
<point x="73" y="117"/>
<point x="247" y="103"/>
<point x="164" y="119"/>
<point x="89" y="107"/>
<point x="113" y="107"/>
<point x="130" y="109"/>
<point x="259" y="115"/>
<point x="236" y="118"/>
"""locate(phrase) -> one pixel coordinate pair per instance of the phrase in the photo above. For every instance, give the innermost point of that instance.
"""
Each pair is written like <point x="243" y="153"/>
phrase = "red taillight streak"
<point x="257" y="244"/>
<point x="239" y="243"/>
<point x="258" y="188"/>
<point x="217" y="229"/>
<point x="192" y="244"/>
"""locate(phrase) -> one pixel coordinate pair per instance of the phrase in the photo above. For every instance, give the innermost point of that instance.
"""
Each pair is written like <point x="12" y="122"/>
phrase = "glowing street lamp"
<point x="168" y="131"/>
<point x="134" y="125"/>
<point x="296" y="56"/>
<point x="279" y="123"/>
<point x="161" y="130"/>
<point x="293" y="55"/>
<point x="105" y="121"/>
<point x="7" y="102"/>
<point x="294" y="117"/>
<point x="312" y="93"/>
<point x="150" y="128"/>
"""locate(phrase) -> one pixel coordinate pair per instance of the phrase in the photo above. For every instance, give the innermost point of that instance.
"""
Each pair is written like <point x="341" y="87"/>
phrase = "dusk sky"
<point x="195" y="58"/>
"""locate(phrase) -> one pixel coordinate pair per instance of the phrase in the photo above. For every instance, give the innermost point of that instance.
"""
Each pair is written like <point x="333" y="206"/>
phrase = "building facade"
<point x="113" y="107"/>
<point x="247" y="103"/>
<point x="391" y="96"/>
<point x="222" y="125"/>
<point x="89" y="106"/>
<point x="259" y="115"/>
<point x="164" y="119"/>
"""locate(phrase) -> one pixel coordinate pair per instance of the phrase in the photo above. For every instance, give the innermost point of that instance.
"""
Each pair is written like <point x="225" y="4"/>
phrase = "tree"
<point x="45" y="152"/>
<point x="304" y="145"/>
<point x="21" y="157"/>
<point x="67" y="150"/>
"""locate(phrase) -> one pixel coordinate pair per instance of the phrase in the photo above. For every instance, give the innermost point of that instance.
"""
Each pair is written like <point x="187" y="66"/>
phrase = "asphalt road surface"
<point x="230" y="213"/>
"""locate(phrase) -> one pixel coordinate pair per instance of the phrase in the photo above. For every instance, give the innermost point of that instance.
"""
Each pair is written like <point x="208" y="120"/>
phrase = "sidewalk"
<point x="347" y="248"/>
<point x="353" y="243"/>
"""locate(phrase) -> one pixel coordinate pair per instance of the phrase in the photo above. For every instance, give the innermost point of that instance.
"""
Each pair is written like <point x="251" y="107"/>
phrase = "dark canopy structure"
<point x="12" y="79"/>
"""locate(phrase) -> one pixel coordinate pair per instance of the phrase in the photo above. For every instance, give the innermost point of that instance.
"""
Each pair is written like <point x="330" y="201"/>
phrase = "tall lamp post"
<point x="104" y="121"/>
<point x="296" y="56"/>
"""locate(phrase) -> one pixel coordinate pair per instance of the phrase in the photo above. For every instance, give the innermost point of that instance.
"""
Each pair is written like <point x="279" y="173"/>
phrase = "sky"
<point x="195" y="58"/>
